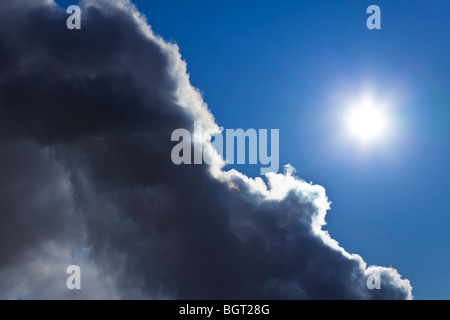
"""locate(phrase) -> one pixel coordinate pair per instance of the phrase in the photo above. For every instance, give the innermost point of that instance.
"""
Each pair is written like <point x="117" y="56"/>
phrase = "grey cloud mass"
<point x="86" y="178"/>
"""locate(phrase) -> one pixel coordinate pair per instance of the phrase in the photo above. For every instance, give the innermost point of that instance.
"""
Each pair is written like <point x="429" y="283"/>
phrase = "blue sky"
<point x="293" y="65"/>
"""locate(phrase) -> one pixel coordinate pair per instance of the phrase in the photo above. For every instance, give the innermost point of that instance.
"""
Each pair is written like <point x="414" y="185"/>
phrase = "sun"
<point x="367" y="122"/>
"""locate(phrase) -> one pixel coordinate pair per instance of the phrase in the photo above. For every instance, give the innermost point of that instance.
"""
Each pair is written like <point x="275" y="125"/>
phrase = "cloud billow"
<point x="86" y="118"/>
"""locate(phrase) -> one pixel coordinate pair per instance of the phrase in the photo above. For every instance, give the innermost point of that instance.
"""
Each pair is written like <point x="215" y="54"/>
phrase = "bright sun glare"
<point x="367" y="122"/>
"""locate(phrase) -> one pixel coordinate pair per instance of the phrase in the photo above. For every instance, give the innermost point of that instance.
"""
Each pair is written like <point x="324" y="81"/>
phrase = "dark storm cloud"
<point x="86" y="118"/>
